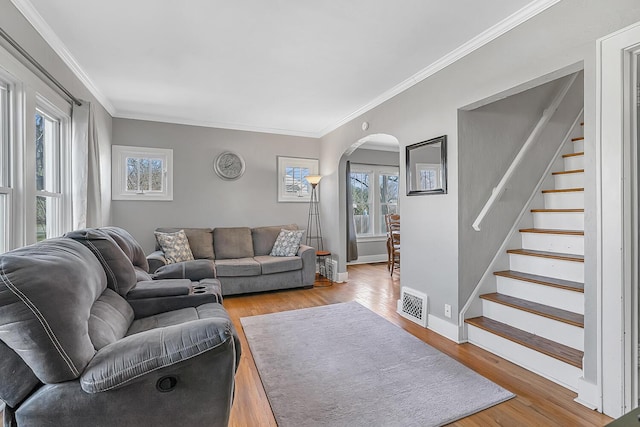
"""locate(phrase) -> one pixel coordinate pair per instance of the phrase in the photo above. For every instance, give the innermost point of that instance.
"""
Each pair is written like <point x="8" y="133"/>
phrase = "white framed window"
<point x="374" y="191"/>
<point x="429" y="175"/>
<point x="292" y="185"/>
<point x="142" y="173"/>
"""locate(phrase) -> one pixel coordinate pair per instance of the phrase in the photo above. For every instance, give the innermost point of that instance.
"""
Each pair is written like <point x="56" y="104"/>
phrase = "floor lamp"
<point x="314" y="230"/>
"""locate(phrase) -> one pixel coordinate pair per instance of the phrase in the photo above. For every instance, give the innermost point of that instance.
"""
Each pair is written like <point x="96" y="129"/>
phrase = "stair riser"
<point x="553" y="330"/>
<point x="549" y="267"/>
<point x="559" y="372"/>
<point x="542" y="294"/>
<point x="573" y="163"/>
<point x="559" y="243"/>
<point x="569" y="180"/>
<point x="568" y="200"/>
<point x="559" y="220"/>
<point x="578" y="146"/>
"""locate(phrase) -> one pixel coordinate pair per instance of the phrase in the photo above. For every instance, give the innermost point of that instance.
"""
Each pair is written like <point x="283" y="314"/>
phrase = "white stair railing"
<point x="497" y="191"/>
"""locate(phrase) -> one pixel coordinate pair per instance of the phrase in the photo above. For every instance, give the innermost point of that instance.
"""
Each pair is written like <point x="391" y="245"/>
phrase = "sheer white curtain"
<point x="85" y="157"/>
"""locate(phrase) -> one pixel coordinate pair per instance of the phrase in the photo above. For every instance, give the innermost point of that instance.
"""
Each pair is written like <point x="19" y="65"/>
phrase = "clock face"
<point x="229" y="165"/>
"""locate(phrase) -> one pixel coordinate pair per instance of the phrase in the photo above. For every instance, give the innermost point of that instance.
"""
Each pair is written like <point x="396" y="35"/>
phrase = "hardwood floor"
<point x="539" y="402"/>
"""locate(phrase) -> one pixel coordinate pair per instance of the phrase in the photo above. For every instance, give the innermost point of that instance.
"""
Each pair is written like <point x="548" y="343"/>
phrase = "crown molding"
<point x="512" y="21"/>
<point x="50" y="37"/>
<point x="212" y="124"/>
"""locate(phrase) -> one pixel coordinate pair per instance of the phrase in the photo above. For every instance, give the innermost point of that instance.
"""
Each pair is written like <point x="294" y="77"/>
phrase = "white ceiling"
<point x="298" y="67"/>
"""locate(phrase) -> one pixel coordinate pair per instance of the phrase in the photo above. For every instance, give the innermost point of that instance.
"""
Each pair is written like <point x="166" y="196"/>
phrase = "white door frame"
<point x="615" y="208"/>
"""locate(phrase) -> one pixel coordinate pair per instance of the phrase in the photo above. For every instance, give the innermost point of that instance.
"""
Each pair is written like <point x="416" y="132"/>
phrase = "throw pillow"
<point x="287" y="243"/>
<point x="175" y="246"/>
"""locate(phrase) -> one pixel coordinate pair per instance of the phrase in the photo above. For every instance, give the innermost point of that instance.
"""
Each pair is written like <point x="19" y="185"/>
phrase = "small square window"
<point x="141" y="173"/>
<point x="292" y="185"/>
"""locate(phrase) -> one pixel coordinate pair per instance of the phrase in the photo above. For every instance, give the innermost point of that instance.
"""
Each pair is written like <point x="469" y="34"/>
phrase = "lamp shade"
<point x="313" y="179"/>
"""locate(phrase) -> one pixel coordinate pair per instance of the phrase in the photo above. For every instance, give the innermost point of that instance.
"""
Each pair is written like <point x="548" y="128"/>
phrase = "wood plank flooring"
<point x="539" y="402"/>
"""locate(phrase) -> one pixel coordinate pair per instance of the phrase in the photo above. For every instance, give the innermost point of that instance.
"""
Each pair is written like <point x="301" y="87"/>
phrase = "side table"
<point x="324" y="262"/>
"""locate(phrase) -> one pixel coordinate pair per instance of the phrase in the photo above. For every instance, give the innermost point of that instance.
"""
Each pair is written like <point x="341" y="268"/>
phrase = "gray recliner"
<point x="126" y="267"/>
<point x="72" y="354"/>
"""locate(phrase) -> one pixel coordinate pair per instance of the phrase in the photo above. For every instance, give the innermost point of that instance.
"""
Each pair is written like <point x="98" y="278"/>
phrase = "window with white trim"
<point x="292" y="185"/>
<point x="374" y="192"/>
<point x="51" y="157"/>
<point x="142" y="173"/>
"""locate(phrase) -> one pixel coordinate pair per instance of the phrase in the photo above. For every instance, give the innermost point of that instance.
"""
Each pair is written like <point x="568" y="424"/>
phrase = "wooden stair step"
<point x="564" y="190"/>
<point x="573" y="154"/>
<point x="557" y="210"/>
<point x="567" y="172"/>
<point x="553" y="349"/>
<point x="542" y="280"/>
<point x="580" y="138"/>
<point x="544" y="254"/>
<point x="549" y="312"/>
<point x="552" y="231"/>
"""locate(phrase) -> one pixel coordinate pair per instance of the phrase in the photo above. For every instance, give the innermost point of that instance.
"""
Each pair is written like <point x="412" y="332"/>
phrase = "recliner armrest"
<point x="137" y="355"/>
<point x="156" y="260"/>
<point x="196" y="269"/>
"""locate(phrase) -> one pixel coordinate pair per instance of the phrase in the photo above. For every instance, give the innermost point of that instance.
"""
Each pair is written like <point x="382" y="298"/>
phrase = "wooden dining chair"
<point x="392" y="222"/>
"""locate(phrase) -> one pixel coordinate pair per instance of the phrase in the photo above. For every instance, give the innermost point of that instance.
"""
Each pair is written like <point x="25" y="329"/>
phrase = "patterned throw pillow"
<point x="287" y="243"/>
<point x="175" y="246"/>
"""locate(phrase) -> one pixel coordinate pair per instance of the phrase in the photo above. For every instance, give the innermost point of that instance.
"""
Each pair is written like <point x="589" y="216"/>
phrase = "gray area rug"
<point x="343" y="365"/>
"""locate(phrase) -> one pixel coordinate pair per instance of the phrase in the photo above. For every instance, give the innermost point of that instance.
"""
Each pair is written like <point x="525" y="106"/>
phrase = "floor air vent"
<point x="413" y="306"/>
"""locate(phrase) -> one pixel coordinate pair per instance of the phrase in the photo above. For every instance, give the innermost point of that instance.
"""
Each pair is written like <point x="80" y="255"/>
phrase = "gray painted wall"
<point x="560" y="37"/>
<point x="371" y="157"/>
<point x="489" y="138"/>
<point x="14" y="23"/>
<point x="200" y="197"/>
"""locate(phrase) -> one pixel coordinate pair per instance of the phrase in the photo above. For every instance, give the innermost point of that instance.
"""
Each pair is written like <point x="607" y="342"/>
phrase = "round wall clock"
<point x="229" y="165"/>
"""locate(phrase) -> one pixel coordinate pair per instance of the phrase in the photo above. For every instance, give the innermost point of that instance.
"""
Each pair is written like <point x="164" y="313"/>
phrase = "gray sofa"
<point x="241" y="258"/>
<point x="74" y="352"/>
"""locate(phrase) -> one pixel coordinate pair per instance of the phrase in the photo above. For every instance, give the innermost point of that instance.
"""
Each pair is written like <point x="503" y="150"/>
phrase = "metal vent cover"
<point x="412" y="305"/>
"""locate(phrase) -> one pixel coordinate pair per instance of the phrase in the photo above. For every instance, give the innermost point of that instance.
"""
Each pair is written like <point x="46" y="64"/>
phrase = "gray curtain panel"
<point x="352" y="243"/>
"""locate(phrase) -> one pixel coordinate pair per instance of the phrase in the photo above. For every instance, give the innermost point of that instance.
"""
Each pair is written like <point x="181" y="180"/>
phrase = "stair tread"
<point x="542" y="280"/>
<point x="564" y="190"/>
<point x="545" y="254"/>
<point x="573" y="154"/>
<point x="547" y="311"/>
<point x="580" y="138"/>
<point x="552" y="231"/>
<point x="557" y="210"/>
<point x="553" y="349"/>
<point x="568" y="172"/>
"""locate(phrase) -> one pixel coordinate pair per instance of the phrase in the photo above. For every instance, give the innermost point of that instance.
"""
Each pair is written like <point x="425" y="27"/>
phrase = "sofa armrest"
<point x="195" y="270"/>
<point x="308" y="255"/>
<point x="137" y="355"/>
<point x="156" y="260"/>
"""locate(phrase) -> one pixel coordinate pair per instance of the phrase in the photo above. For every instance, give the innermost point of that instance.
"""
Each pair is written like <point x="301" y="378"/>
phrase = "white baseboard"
<point x="589" y="395"/>
<point x="446" y="329"/>
<point x="369" y="259"/>
<point x="341" y="277"/>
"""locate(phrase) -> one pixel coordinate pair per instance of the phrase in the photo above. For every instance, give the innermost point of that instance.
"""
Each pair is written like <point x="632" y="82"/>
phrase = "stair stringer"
<point x="487" y="282"/>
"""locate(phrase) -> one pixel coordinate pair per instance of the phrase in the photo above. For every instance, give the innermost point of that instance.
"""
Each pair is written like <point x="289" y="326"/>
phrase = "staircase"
<point x="536" y="317"/>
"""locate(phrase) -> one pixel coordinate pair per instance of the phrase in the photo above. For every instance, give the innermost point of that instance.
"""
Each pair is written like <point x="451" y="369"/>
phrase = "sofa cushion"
<point x="287" y="243"/>
<point x="175" y="246"/>
<point x="141" y="275"/>
<point x="196" y="269"/>
<point x="121" y="275"/>
<point x="265" y="237"/>
<point x="200" y="241"/>
<point x="237" y="267"/>
<point x="110" y="319"/>
<point x="176" y="317"/>
<point x="232" y="242"/>
<point x="278" y="264"/>
<point x="36" y="281"/>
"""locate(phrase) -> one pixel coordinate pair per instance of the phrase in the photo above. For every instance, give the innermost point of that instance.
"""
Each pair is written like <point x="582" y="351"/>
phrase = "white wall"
<point x="561" y="36"/>
<point x="200" y="197"/>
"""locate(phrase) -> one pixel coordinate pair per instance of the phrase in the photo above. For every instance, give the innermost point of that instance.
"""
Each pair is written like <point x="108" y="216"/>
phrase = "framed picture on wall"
<point x="427" y="167"/>
<point x="292" y="185"/>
